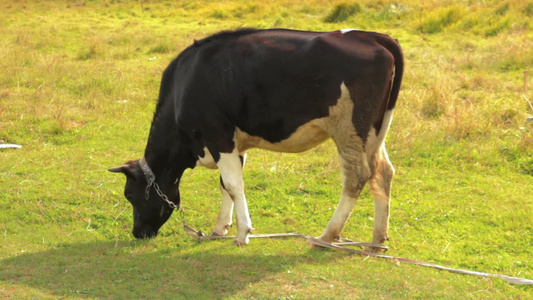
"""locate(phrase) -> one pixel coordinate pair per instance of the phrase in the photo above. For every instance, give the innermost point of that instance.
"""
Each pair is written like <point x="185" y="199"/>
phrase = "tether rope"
<point x="200" y="236"/>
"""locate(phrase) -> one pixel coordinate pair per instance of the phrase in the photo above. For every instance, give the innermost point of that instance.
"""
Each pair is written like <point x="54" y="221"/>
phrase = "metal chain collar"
<point x="150" y="179"/>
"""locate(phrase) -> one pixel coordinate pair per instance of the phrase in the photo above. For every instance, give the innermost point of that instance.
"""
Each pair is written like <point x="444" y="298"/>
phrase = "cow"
<point x="275" y="89"/>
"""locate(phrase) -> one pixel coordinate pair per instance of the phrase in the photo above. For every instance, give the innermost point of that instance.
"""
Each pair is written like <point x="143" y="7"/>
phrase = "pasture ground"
<point x="78" y="83"/>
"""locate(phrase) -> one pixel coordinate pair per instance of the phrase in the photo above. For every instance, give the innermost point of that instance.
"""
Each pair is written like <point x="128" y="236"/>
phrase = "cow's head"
<point x="150" y="211"/>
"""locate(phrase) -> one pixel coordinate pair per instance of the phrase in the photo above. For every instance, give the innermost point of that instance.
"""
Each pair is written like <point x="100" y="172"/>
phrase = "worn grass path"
<point x="78" y="83"/>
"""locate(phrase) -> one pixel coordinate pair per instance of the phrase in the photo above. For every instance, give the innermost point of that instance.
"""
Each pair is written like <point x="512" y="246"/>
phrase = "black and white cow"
<point x="280" y="90"/>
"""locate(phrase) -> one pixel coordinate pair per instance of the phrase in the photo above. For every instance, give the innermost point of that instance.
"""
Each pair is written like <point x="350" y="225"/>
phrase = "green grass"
<point x="78" y="83"/>
<point x="342" y="12"/>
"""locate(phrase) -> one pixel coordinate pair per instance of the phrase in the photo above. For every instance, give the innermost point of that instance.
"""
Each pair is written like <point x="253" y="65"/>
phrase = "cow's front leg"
<point x="224" y="218"/>
<point x="225" y="215"/>
<point x="230" y="168"/>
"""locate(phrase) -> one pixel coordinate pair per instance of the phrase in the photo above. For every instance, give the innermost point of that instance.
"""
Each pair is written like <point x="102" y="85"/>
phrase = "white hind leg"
<point x="355" y="173"/>
<point x="380" y="185"/>
<point x="353" y="161"/>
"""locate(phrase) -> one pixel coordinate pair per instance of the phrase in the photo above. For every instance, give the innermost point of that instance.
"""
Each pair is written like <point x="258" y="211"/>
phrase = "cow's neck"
<point x="162" y="149"/>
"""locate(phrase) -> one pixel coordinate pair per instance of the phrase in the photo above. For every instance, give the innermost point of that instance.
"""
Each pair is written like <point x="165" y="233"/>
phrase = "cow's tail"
<point x="385" y="120"/>
<point x="394" y="48"/>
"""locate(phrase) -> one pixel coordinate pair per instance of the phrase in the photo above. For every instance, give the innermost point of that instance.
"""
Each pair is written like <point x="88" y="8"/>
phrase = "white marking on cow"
<point x="374" y="142"/>
<point x="343" y="31"/>
<point x="207" y="160"/>
<point x="304" y="138"/>
<point x="308" y="135"/>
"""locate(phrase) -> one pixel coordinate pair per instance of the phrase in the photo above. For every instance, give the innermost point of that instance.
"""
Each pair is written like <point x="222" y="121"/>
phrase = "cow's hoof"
<point x="376" y="249"/>
<point x="310" y="243"/>
<point x="316" y="242"/>
<point x="215" y="233"/>
<point x="242" y="236"/>
<point x="322" y="241"/>
<point x="221" y="232"/>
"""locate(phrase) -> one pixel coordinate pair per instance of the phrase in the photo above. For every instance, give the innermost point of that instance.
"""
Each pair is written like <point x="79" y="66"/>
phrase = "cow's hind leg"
<point x="380" y="185"/>
<point x="224" y="219"/>
<point x="355" y="173"/>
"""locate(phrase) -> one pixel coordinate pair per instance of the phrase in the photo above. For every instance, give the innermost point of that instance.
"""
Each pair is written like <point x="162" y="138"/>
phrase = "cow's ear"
<point x="121" y="169"/>
<point x="128" y="169"/>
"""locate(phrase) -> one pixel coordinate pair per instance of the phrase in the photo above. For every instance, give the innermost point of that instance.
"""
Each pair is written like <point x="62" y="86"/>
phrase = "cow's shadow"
<point x="126" y="271"/>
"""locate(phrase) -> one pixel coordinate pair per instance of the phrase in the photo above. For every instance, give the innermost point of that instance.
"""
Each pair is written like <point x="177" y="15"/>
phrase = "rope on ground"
<point x="200" y="236"/>
<point x="513" y="280"/>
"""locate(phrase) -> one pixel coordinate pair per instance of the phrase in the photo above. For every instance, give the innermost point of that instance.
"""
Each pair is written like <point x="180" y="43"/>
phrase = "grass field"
<point x="78" y="84"/>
